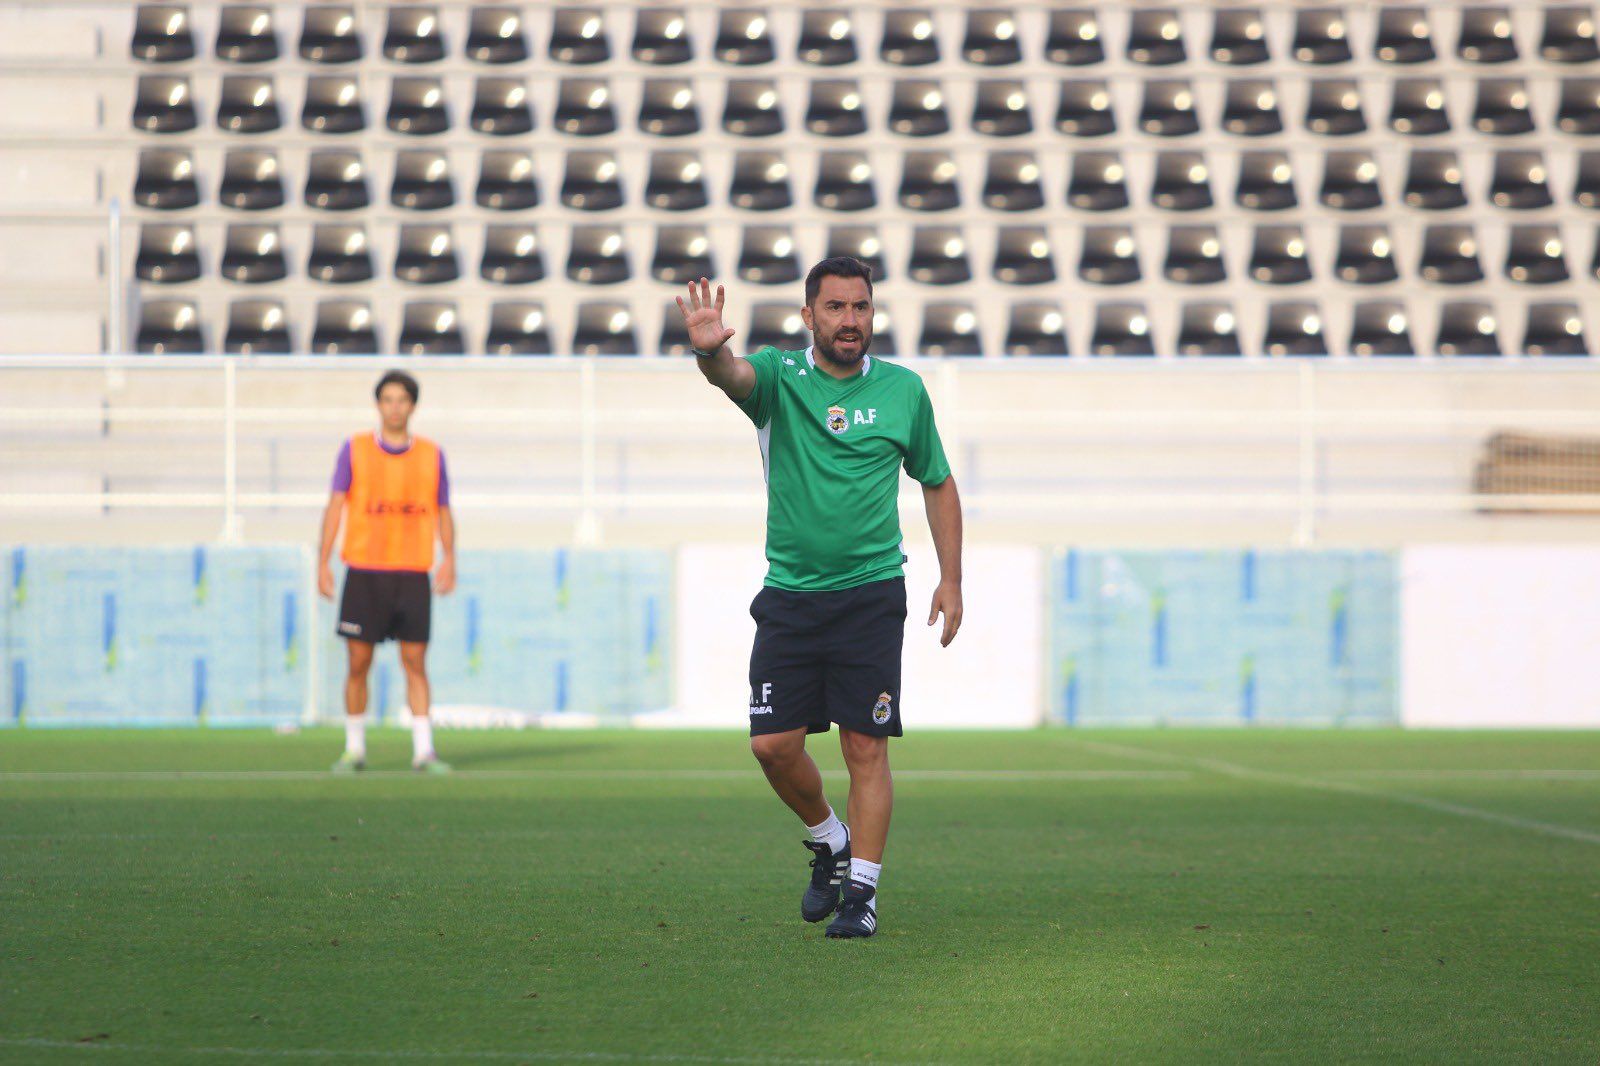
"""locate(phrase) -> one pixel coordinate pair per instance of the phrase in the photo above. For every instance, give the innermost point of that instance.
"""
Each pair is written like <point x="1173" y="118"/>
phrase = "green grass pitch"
<point x="1130" y="896"/>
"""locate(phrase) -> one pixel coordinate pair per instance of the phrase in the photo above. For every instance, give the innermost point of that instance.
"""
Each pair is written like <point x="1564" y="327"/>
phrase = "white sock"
<point x="355" y="735"/>
<point x="831" y="832"/>
<point x="867" y="873"/>
<point x="421" y="738"/>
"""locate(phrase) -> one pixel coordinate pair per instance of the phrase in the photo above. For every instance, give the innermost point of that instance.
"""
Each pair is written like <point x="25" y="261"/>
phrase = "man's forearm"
<point x="330" y="533"/>
<point x="944" y="522"/>
<point x="447" y="533"/>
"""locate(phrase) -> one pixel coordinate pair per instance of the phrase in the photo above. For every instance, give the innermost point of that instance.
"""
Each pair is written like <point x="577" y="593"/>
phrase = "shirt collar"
<point x="383" y="446"/>
<point x="811" y="361"/>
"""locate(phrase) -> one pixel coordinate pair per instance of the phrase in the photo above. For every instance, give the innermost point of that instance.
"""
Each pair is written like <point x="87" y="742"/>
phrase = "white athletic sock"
<point x="421" y="738"/>
<point x="867" y="873"/>
<point x="831" y="832"/>
<point x="355" y="735"/>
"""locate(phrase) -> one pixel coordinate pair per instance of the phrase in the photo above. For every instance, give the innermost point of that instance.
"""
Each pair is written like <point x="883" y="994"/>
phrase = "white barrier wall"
<point x="990" y="677"/>
<point x="1500" y="636"/>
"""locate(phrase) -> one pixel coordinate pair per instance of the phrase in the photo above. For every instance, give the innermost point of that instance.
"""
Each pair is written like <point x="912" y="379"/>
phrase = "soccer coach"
<point x="835" y="427"/>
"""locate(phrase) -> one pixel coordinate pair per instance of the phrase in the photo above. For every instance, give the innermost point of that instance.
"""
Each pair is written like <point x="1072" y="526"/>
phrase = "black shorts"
<point x="380" y="605"/>
<point x="824" y="657"/>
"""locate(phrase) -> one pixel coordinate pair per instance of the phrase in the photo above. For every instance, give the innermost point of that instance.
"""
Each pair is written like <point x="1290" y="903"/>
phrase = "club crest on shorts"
<point x="837" y="422"/>
<point x="880" y="710"/>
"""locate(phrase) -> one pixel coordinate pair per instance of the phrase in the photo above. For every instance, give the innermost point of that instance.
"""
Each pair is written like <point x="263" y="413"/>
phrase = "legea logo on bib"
<point x="837" y="422"/>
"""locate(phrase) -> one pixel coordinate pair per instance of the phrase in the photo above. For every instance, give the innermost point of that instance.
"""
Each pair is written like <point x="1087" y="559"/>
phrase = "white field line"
<point x="1322" y="784"/>
<point x="8" y="776"/>
<point x="1467" y="775"/>
<point x="410" y="1054"/>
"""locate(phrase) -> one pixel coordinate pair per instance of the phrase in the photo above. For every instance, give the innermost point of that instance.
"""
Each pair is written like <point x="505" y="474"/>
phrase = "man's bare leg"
<point x="355" y="706"/>
<point x="792" y="773"/>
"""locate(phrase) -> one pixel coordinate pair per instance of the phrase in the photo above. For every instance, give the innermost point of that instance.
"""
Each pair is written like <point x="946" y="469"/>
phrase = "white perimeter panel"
<point x="988" y="678"/>
<point x="1500" y="636"/>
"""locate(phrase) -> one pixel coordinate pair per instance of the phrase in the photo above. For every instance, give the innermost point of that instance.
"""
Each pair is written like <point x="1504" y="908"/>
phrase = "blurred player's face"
<point x="395" y="407"/>
<point x="840" y="320"/>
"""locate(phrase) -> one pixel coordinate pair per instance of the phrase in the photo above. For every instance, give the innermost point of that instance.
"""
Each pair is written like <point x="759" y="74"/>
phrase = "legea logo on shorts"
<point x="349" y="627"/>
<point x="763" y="703"/>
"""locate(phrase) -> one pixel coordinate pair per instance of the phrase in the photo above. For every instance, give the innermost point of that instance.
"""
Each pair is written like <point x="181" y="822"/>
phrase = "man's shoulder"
<point x="898" y="376"/>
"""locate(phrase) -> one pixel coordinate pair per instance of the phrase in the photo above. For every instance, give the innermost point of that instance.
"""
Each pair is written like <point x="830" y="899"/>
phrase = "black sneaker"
<point x="855" y="917"/>
<point x="827" y="874"/>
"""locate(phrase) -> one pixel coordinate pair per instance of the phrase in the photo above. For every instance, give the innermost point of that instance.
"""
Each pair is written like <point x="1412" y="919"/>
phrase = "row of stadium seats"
<point x="1235" y="36"/>
<point x="916" y="107"/>
<point x="422" y="180"/>
<point x="1033" y="329"/>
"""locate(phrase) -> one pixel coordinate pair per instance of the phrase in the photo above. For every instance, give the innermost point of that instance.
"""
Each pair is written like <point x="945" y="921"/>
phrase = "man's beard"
<point x="827" y="351"/>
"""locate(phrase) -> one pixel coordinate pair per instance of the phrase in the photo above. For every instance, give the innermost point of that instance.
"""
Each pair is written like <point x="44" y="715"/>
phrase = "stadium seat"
<point x="164" y="104"/>
<point x="1073" y="38"/>
<point x="1417" y="107"/>
<point x="1278" y="256"/>
<point x="1012" y="182"/>
<point x="667" y="108"/>
<point x="1586" y="187"/>
<point x="767" y="256"/>
<point x="1155" y="38"/>
<point x="1266" y="182"/>
<point x="1109" y="256"/>
<point x="1294" y="328"/>
<point x="511" y="255"/>
<point x="517" y="328"/>
<point x="494" y="35"/>
<point x="336" y="181"/>
<point x="676" y="182"/>
<point x="1181" y="182"/>
<point x="1404" y="36"/>
<point x="836" y="109"/>
<point x="743" y="38"/>
<point x="1022" y="256"/>
<point x="1579" y="110"/>
<point x="257" y="327"/>
<point x="1208" y="329"/>
<point x="1450" y="256"/>
<point x="162" y="33"/>
<point x="417" y="107"/>
<point x="329" y="34"/>
<point x="916" y="109"/>
<point x="1366" y="256"/>
<point x="597" y="255"/>
<point x="1001" y="109"/>
<point x="248" y="104"/>
<point x="344" y="327"/>
<point x="168" y="254"/>
<point x="1238" y="37"/>
<point x="591" y="182"/>
<point x="1250" y="109"/>
<point x="884" y="342"/>
<point x="1486" y="35"/>
<point x="1036" y="329"/>
<point x="169" y="327"/>
<point x="253" y="255"/>
<point x="1502" y="107"/>
<point x="661" y="37"/>
<point x="1194" y="256"/>
<point x="760" y="182"/>
<point x="1098" y="182"/>
<point x="928" y="182"/>
<point x="1121" y="329"/>
<point x="1569" y="35"/>
<point x="861" y="242"/>
<point x="948" y="329"/>
<point x="683" y="253"/>
<point x="777" y="324"/>
<point x="413" y="35"/>
<point x="426" y="255"/>
<point x="939" y="256"/>
<point x="1554" y="329"/>
<point x="1321" y="36"/>
<point x="1467" y="328"/>
<point x="1535" y="256"/>
<point x="340" y="254"/>
<point x="578" y="36"/>
<point x="1084" y="109"/>
<point x="844" y="182"/>
<point x="583" y="108"/>
<point x="251" y="181"/>
<point x="421" y="181"/>
<point x="333" y="105"/>
<point x="991" y="38"/>
<point x="1519" y="181"/>
<point x="165" y="180"/>
<point x="1434" y="181"/>
<point x="826" y="37"/>
<point x="506" y="181"/>
<point x="1334" y="109"/>
<point x="1381" y="327"/>
<point x="245" y="34"/>
<point x="1168" y="109"/>
<point x="908" y="38"/>
<point x="1350" y="181"/>
<point x="500" y="107"/>
<point x="430" y="327"/>
<point x="750" y="108"/>
<point x="606" y="329"/>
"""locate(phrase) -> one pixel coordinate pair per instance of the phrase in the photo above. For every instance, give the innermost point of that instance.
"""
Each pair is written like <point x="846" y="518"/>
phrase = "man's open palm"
<point x="704" y="318"/>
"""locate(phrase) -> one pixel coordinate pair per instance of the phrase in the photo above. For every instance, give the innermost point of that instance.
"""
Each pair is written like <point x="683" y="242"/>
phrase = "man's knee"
<point x="862" y="749"/>
<point x="777" y="749"/>
<point x="414" y="659"/>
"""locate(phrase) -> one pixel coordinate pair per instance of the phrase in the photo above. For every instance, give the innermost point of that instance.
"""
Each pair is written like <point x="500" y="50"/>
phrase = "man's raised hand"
<point x="703" y="318"/>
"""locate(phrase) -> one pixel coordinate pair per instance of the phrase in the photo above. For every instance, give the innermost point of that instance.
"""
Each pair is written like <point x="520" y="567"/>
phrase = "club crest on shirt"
<point x="837" y="422"/>
<point x="880" y="710"/>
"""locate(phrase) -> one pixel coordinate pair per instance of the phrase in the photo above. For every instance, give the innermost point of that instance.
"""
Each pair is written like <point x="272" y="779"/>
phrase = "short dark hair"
<point x="401" y="378"/>
<point x="840" y="266"/>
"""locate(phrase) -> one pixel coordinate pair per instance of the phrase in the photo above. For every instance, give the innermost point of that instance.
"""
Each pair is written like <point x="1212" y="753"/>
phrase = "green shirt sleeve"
<point x="925" y="459"/>
<point x="762" y="400"/>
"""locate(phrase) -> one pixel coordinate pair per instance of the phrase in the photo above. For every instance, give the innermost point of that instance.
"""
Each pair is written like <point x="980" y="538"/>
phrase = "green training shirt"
<point x="832" y="451"/>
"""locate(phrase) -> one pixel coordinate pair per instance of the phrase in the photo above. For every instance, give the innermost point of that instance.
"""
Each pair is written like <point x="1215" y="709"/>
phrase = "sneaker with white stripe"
<point x="856" y="917"/>
<point x="828" y="872"/>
